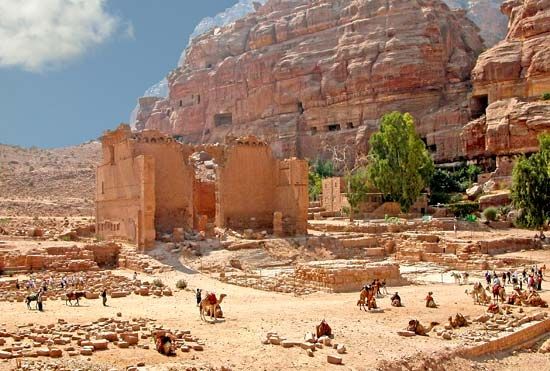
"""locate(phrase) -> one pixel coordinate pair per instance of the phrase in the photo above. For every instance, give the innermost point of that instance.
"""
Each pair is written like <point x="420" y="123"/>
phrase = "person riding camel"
<point x="396" y="300"/>
<point x="430" y="303"/>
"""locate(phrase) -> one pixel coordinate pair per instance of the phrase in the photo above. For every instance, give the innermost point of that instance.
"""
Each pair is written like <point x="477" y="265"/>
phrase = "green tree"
<point x="399" y="165"/>
<point x="531" y="186"/>
<point x="318" y="170"/>
<point x="357" y="189"/>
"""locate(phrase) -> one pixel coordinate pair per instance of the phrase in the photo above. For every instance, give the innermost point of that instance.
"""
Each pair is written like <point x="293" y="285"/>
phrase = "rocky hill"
<point x="37" y="182"/>
<point x="508" y="83"/>
<point x="487" y="16"/>
<point x="308" y="75"/>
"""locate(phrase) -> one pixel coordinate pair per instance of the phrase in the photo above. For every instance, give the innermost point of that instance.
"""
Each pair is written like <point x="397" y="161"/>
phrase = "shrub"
<point x="462" y="209"/>
<point x="490" y="214"/>
<point x="181" y="284"/>
<point x="158" y="282"/>
<point x="546" y="96"/>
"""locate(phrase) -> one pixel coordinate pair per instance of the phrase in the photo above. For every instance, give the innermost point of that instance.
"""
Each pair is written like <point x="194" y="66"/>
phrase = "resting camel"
<point x="479" y="294"/>
<point x="416" y="327"/>
<point x="165" y="344"/>
<point x="534" y="300"/>
<point x="210" y="305"/>
<point x="458" y="321"/>
<point x="367" y="297"/>
<point x="74" y="295"/>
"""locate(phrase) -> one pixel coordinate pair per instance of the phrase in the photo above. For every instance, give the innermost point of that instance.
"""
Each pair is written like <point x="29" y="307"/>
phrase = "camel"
<point x="458" y="321"/>
<point x="534" y="300"/>
<point x="210" y="305"/>
<point x="479" y="295"/>
<point x="498" y="292"/>
<point x="416" y="327"/>
<point x="74" y="295"/>
<point x="367" y="297"/>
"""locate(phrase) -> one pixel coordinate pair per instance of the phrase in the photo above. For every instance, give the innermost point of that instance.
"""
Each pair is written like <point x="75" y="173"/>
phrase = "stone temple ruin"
<point x="149" y="184"/>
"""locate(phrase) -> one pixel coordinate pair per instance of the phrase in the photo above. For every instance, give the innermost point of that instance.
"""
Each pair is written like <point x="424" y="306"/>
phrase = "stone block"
<point x="334" y="360"/>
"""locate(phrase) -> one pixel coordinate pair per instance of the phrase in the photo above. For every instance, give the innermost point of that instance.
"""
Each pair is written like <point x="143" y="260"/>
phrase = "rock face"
<point x="508" y="81"/>
<point x="487" y="16"/>
<point x="308" y="75"/>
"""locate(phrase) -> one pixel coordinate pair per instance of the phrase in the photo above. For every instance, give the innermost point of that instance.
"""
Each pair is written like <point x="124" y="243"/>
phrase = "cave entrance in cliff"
<point x="478" y="105"/>
<point x="222" y="119"/>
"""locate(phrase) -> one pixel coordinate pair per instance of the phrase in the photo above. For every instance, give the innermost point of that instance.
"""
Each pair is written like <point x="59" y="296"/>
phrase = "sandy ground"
<point x="235" y="342"/>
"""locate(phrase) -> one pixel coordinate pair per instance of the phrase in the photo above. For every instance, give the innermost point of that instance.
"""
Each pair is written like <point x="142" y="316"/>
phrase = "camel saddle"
<point x="212" y="298"/>
<point x="323" y="329"/>
<point x="496" y="289"/>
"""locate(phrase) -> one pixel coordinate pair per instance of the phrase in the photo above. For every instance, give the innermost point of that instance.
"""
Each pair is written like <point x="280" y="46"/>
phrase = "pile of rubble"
<point x="310" y="344"/>
<point x="50" y="228"/>
<point x="93" y="283"/>
<point x="492" y="325"/>
<point x="283" y="282"/>
<point x="58" y="339"/>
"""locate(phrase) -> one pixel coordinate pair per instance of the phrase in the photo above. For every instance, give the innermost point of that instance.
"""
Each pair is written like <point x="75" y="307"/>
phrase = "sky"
<point x="71" y="69"/>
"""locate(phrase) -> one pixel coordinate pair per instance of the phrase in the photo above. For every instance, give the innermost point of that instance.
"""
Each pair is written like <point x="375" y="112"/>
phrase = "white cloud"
<point x="39" y="34"/>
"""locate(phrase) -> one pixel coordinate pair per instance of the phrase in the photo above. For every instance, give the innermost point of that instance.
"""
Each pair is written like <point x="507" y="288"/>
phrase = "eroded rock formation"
<point x="508" y="80"/>
<point x="306" y="75"/>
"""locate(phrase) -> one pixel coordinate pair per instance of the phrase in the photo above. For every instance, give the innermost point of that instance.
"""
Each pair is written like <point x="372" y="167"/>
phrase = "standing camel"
<point x="210" y="305"/>
<point x="498" y="292"/>
<point x="366" y="297"/>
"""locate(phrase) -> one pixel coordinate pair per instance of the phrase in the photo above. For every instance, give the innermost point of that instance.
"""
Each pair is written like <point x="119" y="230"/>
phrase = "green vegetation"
<point x="4" y="221"/>
<point x="357" y="189"/>
<point x="531" y="186"/>
<point x="399" y="165"/>
<point x="490" y="214"/>
<point x="318" y="170"/>
<point x="546" y="96"/>
<point x="463" y="209"/>
<point x="157" y="282"/>
<point x="181" y="284"/>
<point x="447" y="185"/>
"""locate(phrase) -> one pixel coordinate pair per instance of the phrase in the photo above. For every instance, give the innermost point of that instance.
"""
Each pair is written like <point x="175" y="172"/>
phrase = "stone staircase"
<point x="318" y="212"/>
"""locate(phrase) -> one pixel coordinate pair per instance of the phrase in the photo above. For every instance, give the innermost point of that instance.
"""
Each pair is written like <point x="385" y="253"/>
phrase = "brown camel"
<point x="367" y="297"/>
<point x="498" y="293"/>
<point x="210" y="305"/>
<point x="458" y="321"/>
<point x="479" y="295"/>
<point x="416" y="327"/>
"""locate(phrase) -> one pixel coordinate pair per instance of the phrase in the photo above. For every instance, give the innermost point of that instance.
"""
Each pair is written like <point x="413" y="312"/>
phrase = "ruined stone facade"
<point x="508" y="81"/>
<point x="148" y="186"/>
<point x="304" y="75"/>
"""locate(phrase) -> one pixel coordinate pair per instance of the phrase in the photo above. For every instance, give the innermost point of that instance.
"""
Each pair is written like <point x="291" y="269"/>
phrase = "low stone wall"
<point x="347" y="275"/>
<point x="516" y="339"/>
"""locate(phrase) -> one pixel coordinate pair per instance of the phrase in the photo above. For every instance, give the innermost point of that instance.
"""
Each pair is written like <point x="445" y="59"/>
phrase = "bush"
<point x="546" y="96"/>
<point x="181" y="284"/>
<point x="490" y="214"/>
<point x="158" y="282"/>
<point x="463" y="209"/>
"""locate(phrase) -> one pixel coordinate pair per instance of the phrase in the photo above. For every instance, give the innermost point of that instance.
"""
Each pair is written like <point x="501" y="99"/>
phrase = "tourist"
<point x="199" y="296"/>
<point x="383" y="286"/>
<point x="509" y="275"/>
<point x="430" y="303"/>
<point x="539" y="282"/>
<point x="515" y="278"/>
<point x="39" y="301"/>
<point x="488" y="277"/>
<point x="531" y="282"/>
<point x="135" y="276"/>
<point x="44" y="286"/>
<point x="17" y="286"/>
<point x="503" y="278"/>
<point x="396" y="300"/>
<point x="104" y="297"/>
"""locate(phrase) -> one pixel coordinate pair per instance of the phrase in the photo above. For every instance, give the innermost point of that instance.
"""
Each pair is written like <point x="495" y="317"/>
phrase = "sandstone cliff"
<point x="486" y="14"/>
<point x="307" y="75"/>
<point x="510" y="78"/>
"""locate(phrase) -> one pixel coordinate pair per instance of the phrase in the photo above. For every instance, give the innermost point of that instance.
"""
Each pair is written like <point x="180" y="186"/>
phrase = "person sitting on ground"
<point x="396" y="300"/>
<point x="430" y="302"/>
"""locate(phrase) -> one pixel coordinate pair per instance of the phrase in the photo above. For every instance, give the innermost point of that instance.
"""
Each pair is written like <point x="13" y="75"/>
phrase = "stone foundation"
<point x="347" y="275"/>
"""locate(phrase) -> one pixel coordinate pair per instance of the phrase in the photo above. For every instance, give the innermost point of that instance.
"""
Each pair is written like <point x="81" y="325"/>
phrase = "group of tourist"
<point x="533" y="279"/>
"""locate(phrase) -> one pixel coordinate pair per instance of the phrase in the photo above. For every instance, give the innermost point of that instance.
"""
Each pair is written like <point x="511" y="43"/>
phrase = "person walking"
<point x="199" y="296"/>
<point x="104" y="297"/>
<point x="39" y="301"/>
